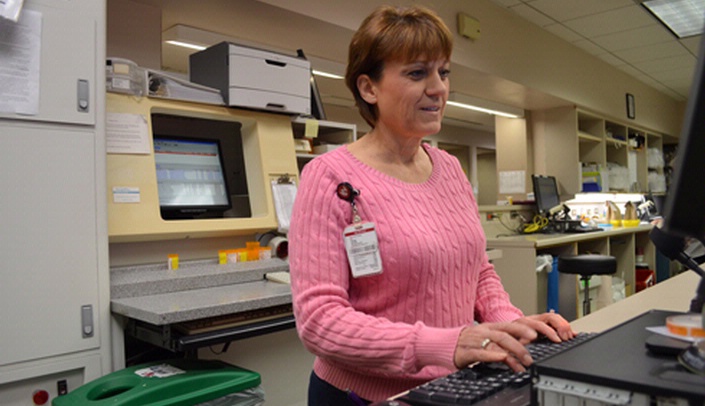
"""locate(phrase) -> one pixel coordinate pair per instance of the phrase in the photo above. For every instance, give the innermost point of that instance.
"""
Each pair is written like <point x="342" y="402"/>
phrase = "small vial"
<point x="252" y="249"/>
<point x="173" y="261"/>
<point x="265" y="253"/>
<point x="241" y="254"/>
<point x="233" y="256"/>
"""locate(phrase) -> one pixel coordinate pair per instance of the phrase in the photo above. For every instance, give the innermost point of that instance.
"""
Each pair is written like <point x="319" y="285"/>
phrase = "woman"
<point x="435" y="304"/>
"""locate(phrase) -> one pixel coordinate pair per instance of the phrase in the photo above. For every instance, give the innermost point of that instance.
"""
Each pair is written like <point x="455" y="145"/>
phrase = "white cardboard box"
<point x="254" y="78"/>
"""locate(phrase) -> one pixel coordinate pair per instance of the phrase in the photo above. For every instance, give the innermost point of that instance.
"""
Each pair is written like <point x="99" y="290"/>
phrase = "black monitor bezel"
<point x="180" y="212"/>
<point x="539" y="198"/>
<point x="684" y="208"/>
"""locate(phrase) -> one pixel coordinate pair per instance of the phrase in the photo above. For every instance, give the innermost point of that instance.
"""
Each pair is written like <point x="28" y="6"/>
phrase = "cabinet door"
<point x="67" y="54"/>
<point x="49" y="240"/>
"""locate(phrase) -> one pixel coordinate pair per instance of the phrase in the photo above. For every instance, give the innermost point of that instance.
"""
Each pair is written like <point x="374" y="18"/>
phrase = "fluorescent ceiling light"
<point x="484" y="106"/>
<point x="186" y="45"/>
<point x="326" y="74"/>
<point x="685" y="18"/>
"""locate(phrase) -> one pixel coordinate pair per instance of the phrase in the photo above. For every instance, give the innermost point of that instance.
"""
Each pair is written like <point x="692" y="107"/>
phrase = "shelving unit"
<point x="328" y="133"/>
<point x="598" y="141"/>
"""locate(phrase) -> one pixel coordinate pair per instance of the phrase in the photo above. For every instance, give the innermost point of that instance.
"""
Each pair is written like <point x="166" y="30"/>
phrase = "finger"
<point x="560" y="325"/>
<point x="510" y="359"/>
<point x="551" y="325"/>
<point x="491" y="355"/>
<point x="506" y="342"/>
<point x="520" y="331"/>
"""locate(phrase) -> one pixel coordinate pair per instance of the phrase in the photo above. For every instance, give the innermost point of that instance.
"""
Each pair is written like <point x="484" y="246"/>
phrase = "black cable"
<point x="673" y="248"/>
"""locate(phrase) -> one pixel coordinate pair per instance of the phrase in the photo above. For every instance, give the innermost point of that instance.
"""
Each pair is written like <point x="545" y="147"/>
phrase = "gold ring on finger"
<point x="485" y="343"/>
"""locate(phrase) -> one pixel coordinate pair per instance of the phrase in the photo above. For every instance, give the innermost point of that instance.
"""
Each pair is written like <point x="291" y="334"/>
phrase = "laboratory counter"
<point x="201" y="303"/>
<point x="543" y="240"/>
<point x="528" y="287"/>
<point x="673" y="294"/>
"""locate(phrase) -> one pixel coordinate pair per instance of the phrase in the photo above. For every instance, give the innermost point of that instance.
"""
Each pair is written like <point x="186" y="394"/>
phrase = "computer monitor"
<point x="317" y="110"/>
<point x="684" y="211"/>
<point x="545" y="193"/>
<point x="190" y="178"/>
<point x="684" y="208"/>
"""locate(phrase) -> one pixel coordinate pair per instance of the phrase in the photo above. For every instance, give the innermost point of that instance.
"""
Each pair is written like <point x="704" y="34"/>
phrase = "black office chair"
<point x="587" y="265"/>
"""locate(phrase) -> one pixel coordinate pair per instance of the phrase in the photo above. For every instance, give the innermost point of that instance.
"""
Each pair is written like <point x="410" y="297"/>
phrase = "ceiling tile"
<point x="631" y="70"/>
<point x="563" y="32"/>
<point x="682" y="89"/>
<point x="621" y="33"/>
<point x="691" y="43"/>
<point x="648" y="80"/>
<point x="507" y="3"/>
<point x="563" y="10"/>
<point x="611" y="59"/>
<point x="608" y="22"/>
<point x="590" y="47"/>
<point x="637" y="37"/>
<point x="532" y="15"/>
<point x="656" y="51"/>
<point x="667" y="64"/>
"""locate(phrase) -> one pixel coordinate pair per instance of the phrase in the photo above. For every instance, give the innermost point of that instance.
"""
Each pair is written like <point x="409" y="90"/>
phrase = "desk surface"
<point x="673" y="294"/>
<point x="198" y="289"/>
<point x="539" y="240"/>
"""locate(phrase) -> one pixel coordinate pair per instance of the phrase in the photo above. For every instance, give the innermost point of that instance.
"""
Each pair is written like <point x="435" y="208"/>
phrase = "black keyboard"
<point x="583" y="230"/>
<point x="485" y="384"/>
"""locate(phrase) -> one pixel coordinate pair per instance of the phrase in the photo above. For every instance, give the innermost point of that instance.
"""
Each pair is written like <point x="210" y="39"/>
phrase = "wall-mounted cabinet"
<point x="618" y="149"/>
<point x="135" y="211"/>
<point x="314" y="137"/>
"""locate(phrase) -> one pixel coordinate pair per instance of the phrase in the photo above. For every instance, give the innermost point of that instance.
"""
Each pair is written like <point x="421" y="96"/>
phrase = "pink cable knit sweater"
<point x="379" y="335"/>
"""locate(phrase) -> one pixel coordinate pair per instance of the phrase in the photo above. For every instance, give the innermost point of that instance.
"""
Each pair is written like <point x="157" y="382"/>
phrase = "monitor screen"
<point x="545" y="193"/>
<point x="190" y="178"/>
<point x="684" y="208"/>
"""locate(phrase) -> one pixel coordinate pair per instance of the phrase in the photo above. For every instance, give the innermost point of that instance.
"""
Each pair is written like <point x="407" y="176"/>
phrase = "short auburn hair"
<point x="394" y="34"/>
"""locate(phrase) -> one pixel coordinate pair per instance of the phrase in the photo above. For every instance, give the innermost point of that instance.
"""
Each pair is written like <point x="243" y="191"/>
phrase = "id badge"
<point x="363" y="249"/>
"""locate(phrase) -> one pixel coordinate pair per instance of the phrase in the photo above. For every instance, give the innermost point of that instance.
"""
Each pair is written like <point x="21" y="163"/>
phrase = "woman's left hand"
<point x="552" y="325"/>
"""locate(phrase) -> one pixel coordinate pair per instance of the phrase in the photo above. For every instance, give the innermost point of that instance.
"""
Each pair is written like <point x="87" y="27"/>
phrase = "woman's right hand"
<point x="495" y="342"/>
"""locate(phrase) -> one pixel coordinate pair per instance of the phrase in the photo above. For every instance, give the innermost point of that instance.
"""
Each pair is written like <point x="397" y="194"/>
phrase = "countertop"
<point x="196" y="290"/>
<point x="541" y="240"/>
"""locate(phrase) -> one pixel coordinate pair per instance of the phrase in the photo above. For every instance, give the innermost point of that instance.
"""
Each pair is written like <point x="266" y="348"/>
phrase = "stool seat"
<point x="587" y="264"/>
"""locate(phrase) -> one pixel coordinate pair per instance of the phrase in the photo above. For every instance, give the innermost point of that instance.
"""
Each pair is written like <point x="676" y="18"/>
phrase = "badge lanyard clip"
<point x="360" y="238"/>
<point x="346" y="192"/>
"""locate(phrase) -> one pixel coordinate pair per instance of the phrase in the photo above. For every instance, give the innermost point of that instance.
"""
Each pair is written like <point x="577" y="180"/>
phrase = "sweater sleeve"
<point x="493" y="303"/>
<point x="328" y="325"/>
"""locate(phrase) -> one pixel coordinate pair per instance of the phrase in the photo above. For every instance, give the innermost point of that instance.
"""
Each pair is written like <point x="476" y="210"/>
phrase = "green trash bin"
<point x="178" y="382"/>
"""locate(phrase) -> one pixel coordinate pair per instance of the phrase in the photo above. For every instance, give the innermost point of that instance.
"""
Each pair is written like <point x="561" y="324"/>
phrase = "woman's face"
<point x="411" y="97"/>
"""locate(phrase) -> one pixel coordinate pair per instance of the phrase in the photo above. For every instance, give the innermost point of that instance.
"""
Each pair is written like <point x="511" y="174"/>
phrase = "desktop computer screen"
<point x="684" y="211"/>
<point x="545" y="193"/>
<point x="190" y="178"/>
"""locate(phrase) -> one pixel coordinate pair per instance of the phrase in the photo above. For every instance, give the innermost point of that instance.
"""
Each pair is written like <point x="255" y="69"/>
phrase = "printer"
<point x="253" y="78"/>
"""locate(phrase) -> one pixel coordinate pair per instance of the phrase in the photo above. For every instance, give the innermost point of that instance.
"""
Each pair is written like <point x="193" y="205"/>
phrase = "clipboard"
<point x="283" y="194"/>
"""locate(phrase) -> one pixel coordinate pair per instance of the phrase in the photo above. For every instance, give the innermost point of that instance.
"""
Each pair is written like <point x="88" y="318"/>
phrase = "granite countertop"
<point x="198" y="289"/>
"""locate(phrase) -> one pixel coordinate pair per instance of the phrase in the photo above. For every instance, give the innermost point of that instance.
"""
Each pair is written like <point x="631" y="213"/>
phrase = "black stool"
<point x="587" y="265"/>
